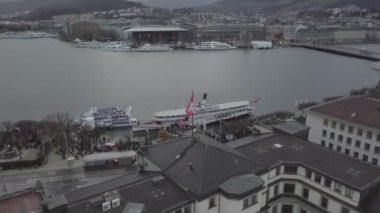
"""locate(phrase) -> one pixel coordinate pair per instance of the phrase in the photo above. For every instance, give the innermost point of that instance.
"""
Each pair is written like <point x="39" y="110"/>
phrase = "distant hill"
<point x="271" y="6"/>
<point x="64" y="6"/>
<point x="171" y="4"/>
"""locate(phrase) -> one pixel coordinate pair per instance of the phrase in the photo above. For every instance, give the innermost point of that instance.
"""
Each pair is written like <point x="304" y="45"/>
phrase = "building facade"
<point x="350" y="126"/>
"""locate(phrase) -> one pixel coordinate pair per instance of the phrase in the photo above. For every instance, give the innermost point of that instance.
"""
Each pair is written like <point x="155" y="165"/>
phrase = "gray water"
<point x="43" y="76"/>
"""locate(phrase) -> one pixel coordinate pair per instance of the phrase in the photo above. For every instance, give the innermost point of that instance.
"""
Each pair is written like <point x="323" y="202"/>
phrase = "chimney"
<point x="191" y="166"/>
<point x="204" y="100"/>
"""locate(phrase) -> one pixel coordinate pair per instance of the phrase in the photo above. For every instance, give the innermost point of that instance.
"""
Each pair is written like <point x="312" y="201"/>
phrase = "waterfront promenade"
<point x="345" y="51"/>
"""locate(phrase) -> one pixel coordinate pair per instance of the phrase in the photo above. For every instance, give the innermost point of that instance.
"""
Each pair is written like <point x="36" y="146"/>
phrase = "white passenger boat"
<point x="107" y="117"/>
<point x="376" y="66"/>
<point x="213" y="45"/>
<point x="152" y="48"/>
<point x="204" y="113"/>
<point x="117" y="48"/>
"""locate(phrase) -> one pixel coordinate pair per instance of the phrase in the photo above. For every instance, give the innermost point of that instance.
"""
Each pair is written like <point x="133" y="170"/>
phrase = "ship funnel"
<point x="204" y="99"/>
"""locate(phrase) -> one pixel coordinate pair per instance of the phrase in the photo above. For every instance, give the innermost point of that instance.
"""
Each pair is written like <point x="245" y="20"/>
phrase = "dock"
<point x="345" y="51"/>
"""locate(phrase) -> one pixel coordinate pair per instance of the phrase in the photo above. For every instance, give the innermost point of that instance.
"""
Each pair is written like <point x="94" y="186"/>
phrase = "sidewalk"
<point x="54" y="164"/>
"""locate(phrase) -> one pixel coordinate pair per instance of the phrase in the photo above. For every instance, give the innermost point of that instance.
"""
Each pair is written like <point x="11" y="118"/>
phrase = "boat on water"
<point x="213" y="45"/>
<point x="376" y="66"/>
<point x="117" y="48"/>
<point x="261" y="45"/>
<point x="205" y="113"/>
<point x="107" y="117"/>
<point x="152" y="48"/>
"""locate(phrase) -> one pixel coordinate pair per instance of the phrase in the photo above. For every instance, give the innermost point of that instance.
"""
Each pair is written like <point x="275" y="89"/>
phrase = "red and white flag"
<point x="182" y="124"/>
<point x="190" y="106"/>
<point x="254" y="101"/>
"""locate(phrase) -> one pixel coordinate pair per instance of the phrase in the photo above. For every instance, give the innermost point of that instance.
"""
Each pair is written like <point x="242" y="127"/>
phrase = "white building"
<point x="350" y="126"/>
<point x="268" y="174"/>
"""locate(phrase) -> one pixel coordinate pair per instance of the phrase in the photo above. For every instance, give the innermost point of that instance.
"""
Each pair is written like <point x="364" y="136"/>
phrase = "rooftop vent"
<point x="276" y="146"/>
<point x="353" y="115"/>
<point x="191" y="166"/>
<point x="177" y="157"/>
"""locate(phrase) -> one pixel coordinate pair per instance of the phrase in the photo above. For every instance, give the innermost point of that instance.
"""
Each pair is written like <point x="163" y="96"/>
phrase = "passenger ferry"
<point x="376" y="66"/>
<point x="204" y="113"/>
<point x="213" y="45"/>
<point x="106" y="117"/>
<point x="152" y="48"/>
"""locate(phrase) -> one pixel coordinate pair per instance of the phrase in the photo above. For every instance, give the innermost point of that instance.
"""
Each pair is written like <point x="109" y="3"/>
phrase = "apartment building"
<point x="349" y="125"/>
<point x="277" y="173"/>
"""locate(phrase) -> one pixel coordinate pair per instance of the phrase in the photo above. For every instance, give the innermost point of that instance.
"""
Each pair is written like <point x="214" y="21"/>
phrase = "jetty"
<point x="345" y="51"/>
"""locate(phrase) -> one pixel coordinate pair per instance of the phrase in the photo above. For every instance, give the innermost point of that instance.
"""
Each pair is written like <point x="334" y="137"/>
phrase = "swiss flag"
<point x="190" y="106"/>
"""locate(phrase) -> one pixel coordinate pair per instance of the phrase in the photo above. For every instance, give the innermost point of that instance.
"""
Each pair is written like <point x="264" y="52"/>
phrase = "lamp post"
<point x="2" y="179"/>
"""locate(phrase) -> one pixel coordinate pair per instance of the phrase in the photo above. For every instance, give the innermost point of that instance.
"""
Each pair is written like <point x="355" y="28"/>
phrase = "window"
<point x="333" y="124"/>
<point x="378" y="137"/>
<point x="324" y="202"/>
<point x="338" y="187"/>
<point x="327" y="182"/>
<point x="331" y="146"/>
<point x="278" y="170"/>
<point x="289" y="188"/>
<point x="365" y="158"/>
<point x="290" y="169"/>
<point x="360" y="132"/>
<point x="340" y="138"/>
<point x="323" y="143"/>
<point x="324" y="133"/>
<point x="212" y="202"/>
<point x="274" y="209"/>
<point x="348" y="141"/>
<point x="249" y="201"/>
<point x="187" y="209"/>
<point x="332" y="135"/>
<point x="358" y="143"/>
<point x="325" y="122"/>
<point x="369" y="135"/>
<point x="345" y="210"/>
<point x="356" y="154"/>
<point x="318" y="178"/>
<point x="287" y="208"/>
<point x="341" y="126"/>
<point x="339" y="148"/>
<point x="367" y="146"/>
<point x="303" y="211"/>
<point x="350" y="129"/>
<point x="275" y="191"/>
<point x="374" y="161"/>
<point x="305" y="193"/>
<point x="349" y="192"/>
<point x="308" y="174"/>
<point x="347" y="151"/>
<point x="377" y="149"/>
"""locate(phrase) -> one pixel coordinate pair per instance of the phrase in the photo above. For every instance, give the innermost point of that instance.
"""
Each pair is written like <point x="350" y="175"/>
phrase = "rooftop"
<point x="362" y="110"/>
<point x="155" y="29"/>
<point x="155" y="194"/>
<point x="291" y="127"/>
<point x="200" y="165"/>
<point x="283" y="148"/>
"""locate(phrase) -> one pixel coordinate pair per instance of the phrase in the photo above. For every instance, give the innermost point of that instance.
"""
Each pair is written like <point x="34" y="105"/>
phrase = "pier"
<point x="345" y="51"/>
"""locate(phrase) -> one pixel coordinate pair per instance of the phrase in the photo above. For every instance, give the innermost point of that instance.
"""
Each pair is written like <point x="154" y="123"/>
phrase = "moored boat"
<point x="213" y="45"/>
<point x="376" y="66"/>
<point x="205" y="113"/>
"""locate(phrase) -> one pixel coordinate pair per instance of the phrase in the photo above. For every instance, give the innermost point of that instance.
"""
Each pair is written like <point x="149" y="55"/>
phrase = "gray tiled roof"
<point x="241" y="185"/>
<point x="345" y="169"/>
<point x="204" y="165"/>
<point x="291" y="127"/>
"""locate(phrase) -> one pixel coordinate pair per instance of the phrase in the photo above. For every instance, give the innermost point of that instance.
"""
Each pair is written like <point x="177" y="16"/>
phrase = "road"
<point x="56" y="181"/>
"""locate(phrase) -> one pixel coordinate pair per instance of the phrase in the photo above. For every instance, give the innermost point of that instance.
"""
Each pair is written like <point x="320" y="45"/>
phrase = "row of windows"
<point x="290" y="188"/>
<point x="347" y="151"/>
<point x="350" y="129"/>
<point x="358" y="143"/>
<point x="292" y="169"/>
